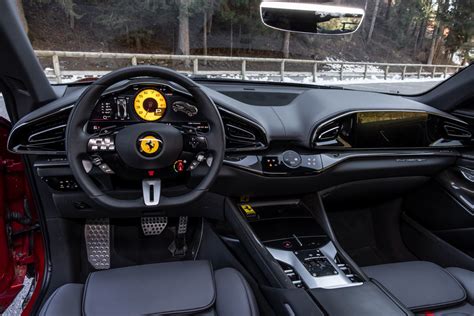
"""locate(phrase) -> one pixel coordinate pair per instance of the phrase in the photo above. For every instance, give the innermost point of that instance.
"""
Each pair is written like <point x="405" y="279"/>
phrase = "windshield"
<point x="404" y="47"/>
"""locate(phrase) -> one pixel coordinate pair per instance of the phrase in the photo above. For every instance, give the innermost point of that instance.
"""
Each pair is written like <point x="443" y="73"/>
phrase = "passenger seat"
<point x="426" y="287"/>
<point x="172" y="288"/>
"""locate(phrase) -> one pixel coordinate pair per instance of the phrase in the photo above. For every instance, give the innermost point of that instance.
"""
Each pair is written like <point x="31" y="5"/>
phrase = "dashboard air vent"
<point x="46" y="135"/>
<point x="49" y="135"/>
<point x="456" y="132"/>
<point x="327" y="135"/>
<point x="242" y="134"/>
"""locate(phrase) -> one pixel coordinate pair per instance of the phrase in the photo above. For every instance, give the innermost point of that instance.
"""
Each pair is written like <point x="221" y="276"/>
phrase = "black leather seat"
<point x="425" y="286"/>
<point x="187" y="287"/>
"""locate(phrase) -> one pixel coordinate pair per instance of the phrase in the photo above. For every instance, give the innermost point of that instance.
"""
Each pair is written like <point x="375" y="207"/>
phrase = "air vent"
<point x="239" y="133"/>
<point x="49" y="135"/>
<point x="242" y="134"/>
<point x="46" y="135"/>
<point x="456" y="132"/>
<point x="327" y="134"/>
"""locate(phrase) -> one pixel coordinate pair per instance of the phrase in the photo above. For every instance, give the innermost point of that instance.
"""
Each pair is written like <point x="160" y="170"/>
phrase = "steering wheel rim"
<point x="77" y="137"/>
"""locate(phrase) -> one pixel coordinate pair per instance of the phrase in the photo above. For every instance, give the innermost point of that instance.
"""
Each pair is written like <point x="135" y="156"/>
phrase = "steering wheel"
<point x="165" y="143"/>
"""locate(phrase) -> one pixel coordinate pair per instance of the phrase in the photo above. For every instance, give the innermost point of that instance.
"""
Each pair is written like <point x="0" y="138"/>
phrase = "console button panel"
<point x="317" y="268"/>
<point x="293" y="276"/>
<point x="292" y="163"/>
<point x="291" y="159"/>
<point x="61" y="183"/>
<point x="316" y="263"/>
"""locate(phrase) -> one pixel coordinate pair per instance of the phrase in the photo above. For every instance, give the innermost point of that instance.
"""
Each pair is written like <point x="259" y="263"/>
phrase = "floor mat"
<point x="371" y="236"/>
<point x="132" y="247"/>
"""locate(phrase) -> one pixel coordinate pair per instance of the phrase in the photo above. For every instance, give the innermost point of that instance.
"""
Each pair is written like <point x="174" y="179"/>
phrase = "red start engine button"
<point x="179" y="166"/>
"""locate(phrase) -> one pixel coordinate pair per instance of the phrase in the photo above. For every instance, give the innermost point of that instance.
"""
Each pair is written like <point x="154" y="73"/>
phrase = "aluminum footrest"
<point x="97" y="237"/>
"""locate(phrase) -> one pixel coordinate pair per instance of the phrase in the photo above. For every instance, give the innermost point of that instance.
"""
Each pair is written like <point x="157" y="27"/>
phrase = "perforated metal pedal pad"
<point x="154" y="225"/>
<point x="97" y="235"/>
<point x="182" y="225"/>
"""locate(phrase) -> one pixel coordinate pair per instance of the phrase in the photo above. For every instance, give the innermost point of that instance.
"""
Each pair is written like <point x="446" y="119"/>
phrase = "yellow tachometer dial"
<point x="150" y="105"/>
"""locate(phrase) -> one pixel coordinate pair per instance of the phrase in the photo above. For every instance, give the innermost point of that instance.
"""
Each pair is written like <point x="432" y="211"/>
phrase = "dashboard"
<point x="286" y="132"/>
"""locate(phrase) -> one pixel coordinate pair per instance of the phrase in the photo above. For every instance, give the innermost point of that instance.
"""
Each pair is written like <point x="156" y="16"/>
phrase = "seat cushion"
<point x="234" y="295"/>
<point x="419" y="285"/>
<point x="66" y="300"/>
<point x="466" y="278"/>
<point x="152" y="289"/>
<point x="187" y="287"/>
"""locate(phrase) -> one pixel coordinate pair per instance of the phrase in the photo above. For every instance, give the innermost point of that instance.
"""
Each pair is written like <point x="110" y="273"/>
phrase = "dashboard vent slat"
<point x="241" y="133"/>
<point x="49" y="135"/>
<point x="456" y="131"/>
<point x="44" y="135"/>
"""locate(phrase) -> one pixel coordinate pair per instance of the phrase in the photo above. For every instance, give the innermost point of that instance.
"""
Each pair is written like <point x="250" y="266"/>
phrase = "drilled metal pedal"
<point x="182" y="225"/>
<point x="154" y="225"/>
<point x="97" y="235"/>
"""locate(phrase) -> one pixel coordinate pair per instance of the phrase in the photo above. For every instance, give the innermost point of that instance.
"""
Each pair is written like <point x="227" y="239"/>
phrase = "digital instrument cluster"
<point x="141" y="103"/>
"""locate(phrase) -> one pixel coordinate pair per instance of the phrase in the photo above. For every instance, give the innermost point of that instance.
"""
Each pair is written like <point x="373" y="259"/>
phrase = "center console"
<point x="300" y="245"/>
<point x="293" y="244"/>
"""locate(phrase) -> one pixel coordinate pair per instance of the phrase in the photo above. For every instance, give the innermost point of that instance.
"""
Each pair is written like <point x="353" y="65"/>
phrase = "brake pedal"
<point x="97" y="237"/>
<point x="154" y="225"/>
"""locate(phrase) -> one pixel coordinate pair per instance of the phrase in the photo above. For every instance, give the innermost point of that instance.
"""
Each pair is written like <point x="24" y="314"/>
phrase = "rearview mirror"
<point x="311" y="18"/>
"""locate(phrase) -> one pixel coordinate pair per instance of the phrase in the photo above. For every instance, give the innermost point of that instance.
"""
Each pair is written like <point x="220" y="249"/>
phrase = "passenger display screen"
<point x="391" y="129"/>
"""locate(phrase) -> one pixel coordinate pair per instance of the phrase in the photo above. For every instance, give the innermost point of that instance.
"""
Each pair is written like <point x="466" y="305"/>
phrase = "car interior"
<point x="153" y="193"/>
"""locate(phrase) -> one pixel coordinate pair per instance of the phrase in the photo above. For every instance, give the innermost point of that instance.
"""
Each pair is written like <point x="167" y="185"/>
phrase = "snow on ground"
<point x="330" y="75"/>
<point x="351" y="68"/>
<point x="372" y="79"/>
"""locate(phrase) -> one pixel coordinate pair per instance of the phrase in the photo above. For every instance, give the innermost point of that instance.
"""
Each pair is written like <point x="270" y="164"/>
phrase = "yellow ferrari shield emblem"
<point x="149" y="145"/>
<point x="248" y="210"/>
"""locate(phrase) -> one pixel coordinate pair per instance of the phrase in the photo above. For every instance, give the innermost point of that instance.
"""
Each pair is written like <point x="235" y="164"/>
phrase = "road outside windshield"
<point x="402" y="46"/>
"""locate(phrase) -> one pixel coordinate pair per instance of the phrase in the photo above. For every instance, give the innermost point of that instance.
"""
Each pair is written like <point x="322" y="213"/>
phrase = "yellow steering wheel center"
<point x="149" y="145"/>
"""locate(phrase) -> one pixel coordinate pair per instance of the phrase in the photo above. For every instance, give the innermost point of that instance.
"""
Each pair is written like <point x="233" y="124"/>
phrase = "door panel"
<point x="446" y="205"/>
<point x="21" y="243"/>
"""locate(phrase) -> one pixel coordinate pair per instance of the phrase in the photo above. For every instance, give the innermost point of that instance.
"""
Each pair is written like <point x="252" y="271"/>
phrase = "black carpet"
<point x="371" y="236"/>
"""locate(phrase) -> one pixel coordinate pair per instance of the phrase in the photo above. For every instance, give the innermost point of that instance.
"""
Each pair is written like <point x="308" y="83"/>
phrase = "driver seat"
<point x="184" y="287"/>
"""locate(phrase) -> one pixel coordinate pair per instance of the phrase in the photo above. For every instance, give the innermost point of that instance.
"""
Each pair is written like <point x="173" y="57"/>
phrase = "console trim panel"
<point x="327" y="282"/>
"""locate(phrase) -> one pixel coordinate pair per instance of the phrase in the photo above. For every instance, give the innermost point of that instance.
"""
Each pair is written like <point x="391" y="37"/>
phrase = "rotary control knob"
<point x="291" y="159"/>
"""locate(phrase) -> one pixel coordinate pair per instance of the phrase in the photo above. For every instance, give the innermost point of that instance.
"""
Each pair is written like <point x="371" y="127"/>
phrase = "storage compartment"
<point x="277" y="224"/>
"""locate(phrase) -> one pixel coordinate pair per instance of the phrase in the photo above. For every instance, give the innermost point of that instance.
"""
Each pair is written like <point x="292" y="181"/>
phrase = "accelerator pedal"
<point x="97" y="236"/>
<point x="178" y="247"/>
<point x="154" y="225"/>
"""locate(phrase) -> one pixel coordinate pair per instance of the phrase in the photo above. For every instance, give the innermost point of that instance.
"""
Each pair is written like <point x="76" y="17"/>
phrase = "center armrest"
<point x="367" y="299"/>
<point x="419" y="285"/>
